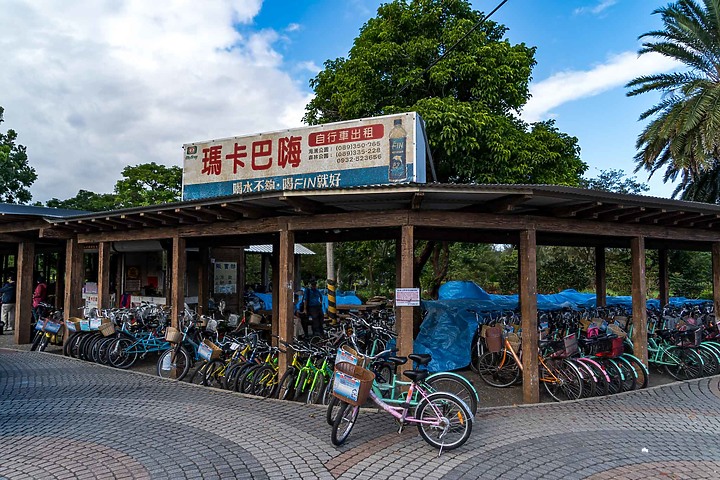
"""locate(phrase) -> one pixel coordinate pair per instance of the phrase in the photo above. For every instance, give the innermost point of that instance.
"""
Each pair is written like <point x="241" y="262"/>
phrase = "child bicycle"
<point x="443" y="419"/>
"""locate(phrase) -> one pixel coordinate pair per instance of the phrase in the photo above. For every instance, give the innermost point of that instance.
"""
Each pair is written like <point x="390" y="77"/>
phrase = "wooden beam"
<point x="222" y="215"/>
<point x="196" y="215"/>
<point x="286" y="278"/>
<point x="104" y="275"/>
<point x="594" y="212"/>
<point x="55" y="232"/>
<point x="134" y="221"/>
<point x="248" y="211"/>
<point x="309" y="207"/>
<point x="14" y="238"/>
<point x="639" y="307"/>
<point x="707" y="221"/>
<point x="24" y="291"/>
<point x="405" y="315"/>
<point x="30" y="225"/>
<point x="621" y="212"/>
<point x="716" y="277"/>
<point x="74" y="273"/>
<point x="669" y="218"/>
<point x="177" y="288"/>
<point x="600" y="277"/>
<point x="663" y="277"/>
<point x="157" y="219"/>
<point x="691" y="220"/>
<point x="504" y="204"/>
<point x="417" y="199"/>
<point x="632" y="215"/>
<point x="573" y="210"/>
<point x="204" y="281"/>
<point x="527" y="254"/>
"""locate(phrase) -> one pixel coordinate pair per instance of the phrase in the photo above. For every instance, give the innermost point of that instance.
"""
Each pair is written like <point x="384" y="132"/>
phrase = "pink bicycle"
<point x="442" y="418"/>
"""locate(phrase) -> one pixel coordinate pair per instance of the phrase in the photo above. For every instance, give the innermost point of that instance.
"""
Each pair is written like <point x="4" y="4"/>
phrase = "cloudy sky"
<point x="91" y="87"/>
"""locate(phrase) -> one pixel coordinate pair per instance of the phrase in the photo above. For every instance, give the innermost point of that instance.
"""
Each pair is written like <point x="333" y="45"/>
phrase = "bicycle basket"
<point x="208" y="350"/>
<point x="39" y="324"/>
<point x="51" y="327"/>
<point x="350" y="355"/>
<point x="571" y="344"/>
<point x="173" y="335"/>
<point x="514" y="340"/>
<point x="107" y="329"/>
<point x="493" y="338"/>
<point x="352" y="383"/>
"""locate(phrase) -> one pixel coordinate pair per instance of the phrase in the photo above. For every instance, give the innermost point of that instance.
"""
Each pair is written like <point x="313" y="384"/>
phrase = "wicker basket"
<point x="215" y="351"/>
<point x="352" y="383"/>
<point x="173" y="335"/>
<point x="617" y="330"/>
<point x="514" y="340"/>
<point x="107" y="329"/>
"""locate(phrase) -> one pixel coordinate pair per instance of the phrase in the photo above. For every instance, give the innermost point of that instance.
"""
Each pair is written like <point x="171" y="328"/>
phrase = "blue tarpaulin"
<point x="448" y="329"/>
<point x="341" y="298"/>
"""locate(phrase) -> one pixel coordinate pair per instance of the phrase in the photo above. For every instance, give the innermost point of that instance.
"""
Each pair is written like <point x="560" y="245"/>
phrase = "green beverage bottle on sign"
<point x="397" y="172"/>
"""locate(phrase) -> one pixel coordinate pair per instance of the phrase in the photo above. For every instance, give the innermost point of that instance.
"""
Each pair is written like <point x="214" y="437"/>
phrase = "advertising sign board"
<point x="370" y="151"/>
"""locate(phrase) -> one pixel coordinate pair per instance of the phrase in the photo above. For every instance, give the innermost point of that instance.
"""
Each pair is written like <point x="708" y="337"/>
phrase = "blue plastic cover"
<point x="341" y="298"/>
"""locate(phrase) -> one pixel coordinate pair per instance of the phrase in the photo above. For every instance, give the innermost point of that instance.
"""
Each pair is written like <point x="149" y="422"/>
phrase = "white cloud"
<point x="91" y="87"/>
<point x="597" y="9"/>
<point x="293" y="27"/>
<point x="570" y="86"/>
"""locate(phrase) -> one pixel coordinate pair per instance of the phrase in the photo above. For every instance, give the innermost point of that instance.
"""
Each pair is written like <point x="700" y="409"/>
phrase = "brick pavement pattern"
<point x="63" y="418"/>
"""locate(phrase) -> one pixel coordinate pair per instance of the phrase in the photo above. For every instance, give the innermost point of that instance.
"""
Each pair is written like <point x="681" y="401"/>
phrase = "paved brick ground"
<point x="62" y="418"/>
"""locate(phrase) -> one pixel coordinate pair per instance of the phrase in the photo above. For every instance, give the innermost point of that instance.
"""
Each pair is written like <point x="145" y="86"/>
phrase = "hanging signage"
<point x="225" y="277"/>
<point x="407" y="297"/>
<point x="369" y="151"/>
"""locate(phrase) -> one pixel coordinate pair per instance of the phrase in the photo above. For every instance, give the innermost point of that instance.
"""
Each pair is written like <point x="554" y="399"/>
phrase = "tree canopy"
<point x="16" y="175"/>
<point x="141" y="185"/>
<point x="684" y="134"/>
<point x="469" y="99"/>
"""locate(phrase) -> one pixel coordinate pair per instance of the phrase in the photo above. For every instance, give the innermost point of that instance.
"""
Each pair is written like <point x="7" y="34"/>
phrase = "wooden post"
<point x="285" y="295"/>
<point x="275" y="284"/>
<point x="103" y="275"/>
<point x="73" y="281"/>
<point x="600" y="277"/>
<point x="664" y="278"/>
<point x="241" y="281"/>
<point x="639" y="311"/>
<point x="24" y="291"/>
<point x="177" y="288"/>
<point x="716" y="277"/>
<point x="404" y="319"/>
<point x="204" y="280"/>
<point x="527" y="255"/>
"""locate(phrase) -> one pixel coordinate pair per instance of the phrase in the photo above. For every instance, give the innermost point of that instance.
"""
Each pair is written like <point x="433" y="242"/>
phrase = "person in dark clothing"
<point x="7" y="312"/>
<point x="313" y="308"/>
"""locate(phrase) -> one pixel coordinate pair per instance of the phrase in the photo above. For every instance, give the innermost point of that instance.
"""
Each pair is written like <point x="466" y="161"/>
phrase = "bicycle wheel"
<point x="36" y="340"/>
<point x="332" y="410"/>
<point x="602" y="382"/>
<point x="588" y="378"/>
<point x="316" y="390"/>
<point x="498" y="369"/>
<point x="711" y="362"/>
<point x="450" y="422"/>
<point x="300" y="385"/>
<point x="286" y="385"/>
<point x="561" y="379"/>
<point x="328" y="393"/>
<point x="682" y="363"/>
<point x="344" y="423"/>
<point x="67" y="348"/>
<point x="629" y="380"/>
<point x="214" y="373"/>
<point x="457" y="385"/>
<point x="477" y="350"/>
<point x="43" y="343"/>
<point x="174" y="361"/>
<point x="245" y="380"/>
<point x="614" y="374"/>
<point x="641" y="371"/>
<point x="264" y="381"/>
<point x="198" y="375"/>
<point x="74" y="345"/>
<point x="120" y="354"/>
<point x="231" y="374"/>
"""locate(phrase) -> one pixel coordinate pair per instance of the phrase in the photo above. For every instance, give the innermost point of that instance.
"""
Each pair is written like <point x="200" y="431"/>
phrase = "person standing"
<point x="39" y="296"/>
<point x="7" y="311"/>
<point x="313" y="308"/>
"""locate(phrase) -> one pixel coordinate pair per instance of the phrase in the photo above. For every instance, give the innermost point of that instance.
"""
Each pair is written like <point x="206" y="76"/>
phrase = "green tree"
<point x="684" y="132"/>
<point x="468" y="99"/>
<point x="85" y="200"/>
<point x="148" y="184"/>
<point x="615" y="181"/>
<point x="16" y="175"/>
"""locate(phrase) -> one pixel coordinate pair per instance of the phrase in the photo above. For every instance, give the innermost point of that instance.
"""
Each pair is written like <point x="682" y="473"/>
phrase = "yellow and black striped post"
<point x="332" y="310"/>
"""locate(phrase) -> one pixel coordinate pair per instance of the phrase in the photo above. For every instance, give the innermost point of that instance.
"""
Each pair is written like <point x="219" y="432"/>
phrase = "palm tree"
<point x="684" y="134"/>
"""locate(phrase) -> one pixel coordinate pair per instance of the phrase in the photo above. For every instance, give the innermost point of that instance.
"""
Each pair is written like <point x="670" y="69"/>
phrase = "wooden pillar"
<point x="716" y="277"/>
<point x="664" y="277"/>
<point x="527" y="255"/>
<point x="59" y="300"/>
<point x="275" y="284"/>
<point x="405" y="315"/>
<point x="600" y="277"/>
<point x="639" y="311"/>
<point x="177" y="287"/>
<point x="104" y="275"/>
<point x="24" y="291"/>
<point x="73" y="301"/>
<point x="285" y="291"/>
<point x="241" y="280"/>
<point x="204" y="280"/>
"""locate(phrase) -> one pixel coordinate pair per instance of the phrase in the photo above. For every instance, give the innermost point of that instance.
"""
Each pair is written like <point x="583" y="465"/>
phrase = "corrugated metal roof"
<point x="299" y="249"/>
<point x="32" y="210"/>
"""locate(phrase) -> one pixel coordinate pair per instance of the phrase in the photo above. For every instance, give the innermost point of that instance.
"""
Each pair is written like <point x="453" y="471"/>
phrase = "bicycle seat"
<point x="397" y="360"/>
<point x="416" y="375"/>
<point x="420" y="358"/>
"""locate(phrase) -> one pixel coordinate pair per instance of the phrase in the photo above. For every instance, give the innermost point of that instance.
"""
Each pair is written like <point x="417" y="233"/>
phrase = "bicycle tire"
<point x="629" y="373"/>
<point x="231" y="374"/>
<point x="67" y="348"/>
<point x="43" y="343"/>
<point x="241" y="374"/>
<point x="118" y="354"/>
<point x="456" y="420"/>
<point x="198" y="376"/>
<point x="683" y="363"/>
<point x="316" y="389"/>
<point x="245" y="380"/>
<point x="602" y="381"/>
<point x="568" y="383"/>
<point x="643" y="375"/>
<point x="74" y="347"/>
<point x="36" y="340"/>
<point x="264" y="381"/>
<point x="588" y="378"/>
<point x="215" y="373"/>
<point x="614" y="374"/>
<point x="328" y="393"/>
<point x="82" y="346"/>
<point x="286" y="385"/>
<point x="104" y="349"/>
<point x="457" y="385"/>
<point x="344" y="422"/>
<point x="711" y="361"/>
<point x="498" y="369"/>
<point x="95" y="349"/>
<point x="300" y="385"/>
<point x="180" y="361"/>
<point x="332" y="410"/>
